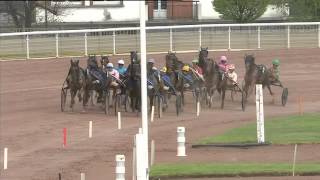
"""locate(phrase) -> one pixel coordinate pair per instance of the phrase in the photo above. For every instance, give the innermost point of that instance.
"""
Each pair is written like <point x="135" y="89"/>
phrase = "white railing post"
<point x="319" y="36"/>
<point x="259" y="41"/>
<point x="114" y="42"/>
<point x="170" y="39"/>
<point x="288" y="38"/>
<point x="260" y="114"/>
<point x="229" y="38"/>
<point x="85" y="44"/>
<point x="200" y="37"/>
<point x="57" y="45"/>
<point x="27" y="44"/>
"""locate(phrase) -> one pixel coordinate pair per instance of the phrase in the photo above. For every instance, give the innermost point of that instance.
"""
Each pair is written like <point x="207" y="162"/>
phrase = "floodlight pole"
<point x="143" y="64"/>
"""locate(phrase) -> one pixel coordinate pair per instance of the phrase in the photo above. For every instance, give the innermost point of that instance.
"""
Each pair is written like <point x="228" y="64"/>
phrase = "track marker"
<point x="152" y="153"/>
<point x="294" y="158"/>
<point x="152" y="113"/>
<point x="82" y="176"/>
<point x="119" y="120"/>
<point x="90" y="129"/>
<point x="64" y="137"/>
<point x="5" y="159"/>
<point x="181" y="140"/>
<point x="198" y="109"/>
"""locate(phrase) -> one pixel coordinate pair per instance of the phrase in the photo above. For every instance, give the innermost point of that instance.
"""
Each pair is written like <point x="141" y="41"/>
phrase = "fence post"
<point x="114" y="42"/>
<point x="170" y="39"/>
<point x="85" y="44"/>
<point x="57" y="45"/>
<point x="28" y="50"/>
<point x="288" y="33"/>
<point x="200" y="37"/>
<point x="318" y="35"/>
<point x="229" y="38"/>
<point x="259" y="34"/>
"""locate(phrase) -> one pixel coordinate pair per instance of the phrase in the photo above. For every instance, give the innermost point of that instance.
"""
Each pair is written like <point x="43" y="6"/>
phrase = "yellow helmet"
<point x="186" y="68"/>
<point x="164" y="69"/>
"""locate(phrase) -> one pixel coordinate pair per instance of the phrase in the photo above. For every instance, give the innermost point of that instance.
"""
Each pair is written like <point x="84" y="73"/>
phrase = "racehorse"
<point x="96" y="80"/>
<point x="132" y="81"/>
<point x="173" y="65"/>
<point x="211" y="74"/>
<point x="255" y="74"/>
<point x="75" y="81"/>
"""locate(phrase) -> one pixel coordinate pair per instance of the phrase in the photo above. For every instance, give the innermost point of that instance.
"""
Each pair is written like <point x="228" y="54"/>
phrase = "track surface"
<point x="31" y="121"/>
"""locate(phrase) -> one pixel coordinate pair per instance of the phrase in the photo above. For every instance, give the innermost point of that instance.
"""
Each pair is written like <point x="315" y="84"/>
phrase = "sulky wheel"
<point x="106" y="102"/>
<point x="284" y="97"/>
<point x="64" y="93"/>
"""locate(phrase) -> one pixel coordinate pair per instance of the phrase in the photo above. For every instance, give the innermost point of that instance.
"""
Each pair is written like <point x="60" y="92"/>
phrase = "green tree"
<point x="23" y="13"/>
<point x="241" y="11"/>
<point x="300" y="10"/>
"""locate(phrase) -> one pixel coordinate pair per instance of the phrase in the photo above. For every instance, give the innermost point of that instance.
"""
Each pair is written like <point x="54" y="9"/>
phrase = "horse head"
<point x="74" y="71"/>
<point x="133" y="56"/>
<point x="171" y="60"/>
<point x="249" y="61"/>
<point x="92" y="61"/>
<point x="104" y="61"/>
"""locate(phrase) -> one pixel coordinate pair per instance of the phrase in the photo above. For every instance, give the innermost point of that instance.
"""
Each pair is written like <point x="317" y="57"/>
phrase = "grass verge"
<point x="282" y="130"/>
<point x="229" y="170"/>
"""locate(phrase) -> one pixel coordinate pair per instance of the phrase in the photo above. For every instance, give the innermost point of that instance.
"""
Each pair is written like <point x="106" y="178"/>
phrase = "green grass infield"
<point x="230" y="170"/>
<point x="282" y="130"/>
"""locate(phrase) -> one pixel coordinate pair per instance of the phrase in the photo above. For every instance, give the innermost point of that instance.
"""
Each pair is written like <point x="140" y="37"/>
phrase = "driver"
<point x="114" y="73"/>
<point x="274" y="71"/>
<point x="232" y="74"/>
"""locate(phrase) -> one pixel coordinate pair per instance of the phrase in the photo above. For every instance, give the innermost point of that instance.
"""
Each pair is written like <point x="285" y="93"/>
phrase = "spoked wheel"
<point x="106" y="102"/>
<point x="64" y="93"/>
<point x="243" y="101"/>
<point x="159" y="104"/>
<point x="284" y="97"/>
<point x="178" y="104"/>
<point x="127" y="103"/>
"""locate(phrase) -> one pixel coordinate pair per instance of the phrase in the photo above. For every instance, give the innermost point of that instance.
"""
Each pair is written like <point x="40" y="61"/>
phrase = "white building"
<point x="125" y="10"/>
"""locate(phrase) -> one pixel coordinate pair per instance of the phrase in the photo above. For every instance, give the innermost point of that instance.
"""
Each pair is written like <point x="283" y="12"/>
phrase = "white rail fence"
<point x="186" y="38"/>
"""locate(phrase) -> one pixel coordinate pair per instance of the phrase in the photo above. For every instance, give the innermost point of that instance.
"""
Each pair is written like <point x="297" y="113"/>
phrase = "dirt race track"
<point x="31" y="121"/>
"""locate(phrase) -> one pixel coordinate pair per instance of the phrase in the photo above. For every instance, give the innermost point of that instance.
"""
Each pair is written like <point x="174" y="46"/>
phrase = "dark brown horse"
<point x="255" y="74"/>
<point x="75" y="81"/>
<point x="211" y="75"/>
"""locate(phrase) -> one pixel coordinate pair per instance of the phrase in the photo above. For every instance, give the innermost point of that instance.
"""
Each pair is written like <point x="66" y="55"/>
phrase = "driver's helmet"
<point x="164" y="69"/>
<point x="231" y="67"/>
<point x="186" y="68"/>
<point x="121" y="62"/>
<point x="223" y="59"/>
<point x="151" y="61"/>
<point x="109" y="65"/>
<point x="195" y="61"/>
<point x="276" y="62"/>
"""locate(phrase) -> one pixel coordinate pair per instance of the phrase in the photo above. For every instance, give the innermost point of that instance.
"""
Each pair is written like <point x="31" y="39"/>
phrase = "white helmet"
<point x="121" y="62"/>
<point x="109" y="65"/>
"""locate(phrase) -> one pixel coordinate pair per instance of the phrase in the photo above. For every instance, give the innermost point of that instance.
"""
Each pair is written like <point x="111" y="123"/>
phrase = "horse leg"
<point x="73" y="94"/>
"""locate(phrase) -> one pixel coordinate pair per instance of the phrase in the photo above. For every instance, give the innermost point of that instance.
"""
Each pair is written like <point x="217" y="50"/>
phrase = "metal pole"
<point x="28" y="50"/>
<point x="57" y="45"/>
<point x="200" y="37"/>
<point x="288" y="38"/>
<point x="171" y="39"/>
<point x="85" y="44"/>
<point x="229" y="40"/>
<point x="319" y="36"/>
<point x="144" y="111"/>
<point x="259" y="34"/>
<point x="114" y="42"/>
